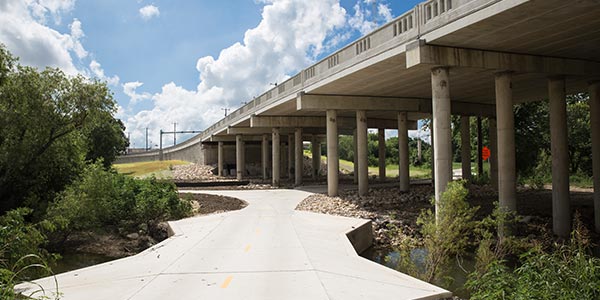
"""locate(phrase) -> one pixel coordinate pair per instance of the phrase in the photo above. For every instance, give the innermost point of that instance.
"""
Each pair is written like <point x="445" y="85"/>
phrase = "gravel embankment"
<point x="386" y="207"/>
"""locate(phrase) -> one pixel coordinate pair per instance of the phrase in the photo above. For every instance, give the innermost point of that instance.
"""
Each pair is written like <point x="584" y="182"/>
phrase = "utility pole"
<point x="146" y="139"/>
<point x="174" y="133"/>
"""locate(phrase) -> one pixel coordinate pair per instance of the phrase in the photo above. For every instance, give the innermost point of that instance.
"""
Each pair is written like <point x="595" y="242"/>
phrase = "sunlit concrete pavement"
<point x="265" y="251"/>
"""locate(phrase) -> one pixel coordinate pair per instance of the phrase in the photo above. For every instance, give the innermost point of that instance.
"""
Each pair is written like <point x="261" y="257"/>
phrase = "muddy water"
<point x="74" y="261"/>
<point x="457" y="274"/>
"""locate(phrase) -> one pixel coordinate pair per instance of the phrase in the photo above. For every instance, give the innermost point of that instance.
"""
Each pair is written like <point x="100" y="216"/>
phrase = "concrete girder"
<point x="316" y="102"/>
<point x="232" y="138"/>
<point x="320" y="122"/>
<point x="319" y="102"/>
<point x="420" y="53"/>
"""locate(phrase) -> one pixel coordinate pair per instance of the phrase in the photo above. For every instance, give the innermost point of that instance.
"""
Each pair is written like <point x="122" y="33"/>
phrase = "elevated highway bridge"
<point x="473" y="58"/>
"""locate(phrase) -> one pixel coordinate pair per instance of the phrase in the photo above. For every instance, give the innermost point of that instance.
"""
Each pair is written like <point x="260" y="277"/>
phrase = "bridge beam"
<point x="320" y="122"/>
<point x="418" y="53"/>
<point x="317" y="102"/>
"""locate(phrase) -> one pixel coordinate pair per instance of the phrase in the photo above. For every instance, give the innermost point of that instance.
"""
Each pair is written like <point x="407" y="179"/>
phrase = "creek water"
<point x="457" y="275"/>
<point x="74" y="261"/>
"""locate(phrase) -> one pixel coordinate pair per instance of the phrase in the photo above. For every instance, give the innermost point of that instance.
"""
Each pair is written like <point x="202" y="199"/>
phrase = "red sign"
<point x="485" y="153"/>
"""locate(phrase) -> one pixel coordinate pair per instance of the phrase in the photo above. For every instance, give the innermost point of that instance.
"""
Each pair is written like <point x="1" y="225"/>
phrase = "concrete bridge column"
<point x="431" y="131"/>
<point x="290" y="156"/>
<point x="355" y="156"/>
<point x="403" y="167"/>
<point x="265" y="155"/>
<point x="505" y="119"/>
<point x="442" y="134"/>
<point x="494" y="153"/>
<point x="362" y="142"/>
<point x="595" y="124"/>
<point x="381" y="146"/>
<point x="299" y="167"/>
<point x="240" y="159"/>
<point x="276" y="156"/>
<point x="220" y="158"/>
<point x="332" y="153"/>
<point x="465" y="147"/>
<point x="316" y="157"/>
<point x="479" y="148"/>
<point x="561" y="208"/>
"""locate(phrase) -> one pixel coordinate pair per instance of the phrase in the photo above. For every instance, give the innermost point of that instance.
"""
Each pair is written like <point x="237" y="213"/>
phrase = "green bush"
<point x="446" y="235"/>
<point x="542" y="173"/>
<point x="21" y="254"/>
<point x="567" y="272"/>
<point x="106" y="199"/>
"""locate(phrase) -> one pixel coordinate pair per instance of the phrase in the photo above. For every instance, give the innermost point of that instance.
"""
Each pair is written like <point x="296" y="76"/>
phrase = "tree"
<point x="47" y="123"/>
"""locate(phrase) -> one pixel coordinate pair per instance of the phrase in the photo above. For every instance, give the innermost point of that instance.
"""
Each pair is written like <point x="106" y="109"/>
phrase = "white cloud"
<point x="149" y="11"/>
<point x="24" y="32"/>
<point x="291" y="34"/>
<point x="41" y="8"/>
<point x="97" y="71"/>
<point x="129" y="89"/>
<point x="385" y="12"/>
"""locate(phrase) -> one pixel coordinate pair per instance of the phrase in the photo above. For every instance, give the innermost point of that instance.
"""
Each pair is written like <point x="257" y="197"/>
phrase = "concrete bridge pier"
<point x="362" y="142"/>
<point x="316" y="157"/>
<point x="276" y="156"/>
<point x="299" y="166"/>
<point x="403" y="163"/>
<point x="265" y="155"/>
<point x="507" y="177"/>
<point x="332" y="153"/>
<point x="381" y="148"/>
<point x="220" y="158"/>
<point x="594" y="90"/>
<point x="355" y="156"/>
<point x="240" y="160"/>
<point x="561" y="208"/>
<point x="494" y="153"/>
<point x="291" y="161"/>
<point x="465" y="147"/>
<point x="442" y="135"/>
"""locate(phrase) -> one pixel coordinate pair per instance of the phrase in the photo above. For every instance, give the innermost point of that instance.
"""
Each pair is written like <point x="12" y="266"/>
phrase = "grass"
<point x="390" y="170"/>
<point x="160" y="169"/>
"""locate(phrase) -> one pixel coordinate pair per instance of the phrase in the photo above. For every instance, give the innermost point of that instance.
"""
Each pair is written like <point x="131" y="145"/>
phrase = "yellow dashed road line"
<point x="226" y="282"/>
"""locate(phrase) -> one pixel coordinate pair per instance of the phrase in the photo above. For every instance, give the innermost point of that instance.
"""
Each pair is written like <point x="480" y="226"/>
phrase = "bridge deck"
<point x="265" y="251"/>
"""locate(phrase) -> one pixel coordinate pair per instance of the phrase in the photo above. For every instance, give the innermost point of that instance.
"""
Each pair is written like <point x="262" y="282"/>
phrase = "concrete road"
<point x="265" y="251"/>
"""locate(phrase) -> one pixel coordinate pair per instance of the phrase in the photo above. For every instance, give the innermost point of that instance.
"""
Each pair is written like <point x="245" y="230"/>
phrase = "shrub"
<point x="568" y="272"/>
<point x="21" y="254"/>
<point x="447" y="234"/>
<point x="101" y="199"/>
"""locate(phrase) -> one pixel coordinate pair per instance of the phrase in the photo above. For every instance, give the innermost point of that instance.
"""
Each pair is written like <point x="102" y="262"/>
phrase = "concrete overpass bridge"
<point x="442" y="58"/>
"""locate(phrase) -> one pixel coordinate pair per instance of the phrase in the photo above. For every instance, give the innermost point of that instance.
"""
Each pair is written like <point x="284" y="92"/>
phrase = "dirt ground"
<point x="114" y="244"/>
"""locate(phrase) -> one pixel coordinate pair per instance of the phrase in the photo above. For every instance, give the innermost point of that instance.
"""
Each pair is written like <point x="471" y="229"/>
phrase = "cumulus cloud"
<point x="41" y="9"/>
<point x="129" y="89"/>
<point x="149" y="11"/>
<point x="23" y="30"/>
<point x="291" y="35"/>
<point x="26" y="36"/>
<point x="97" y="71"/>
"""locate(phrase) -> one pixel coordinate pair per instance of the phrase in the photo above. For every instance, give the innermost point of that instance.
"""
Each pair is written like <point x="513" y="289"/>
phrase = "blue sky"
<point x="182" y="61"/>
